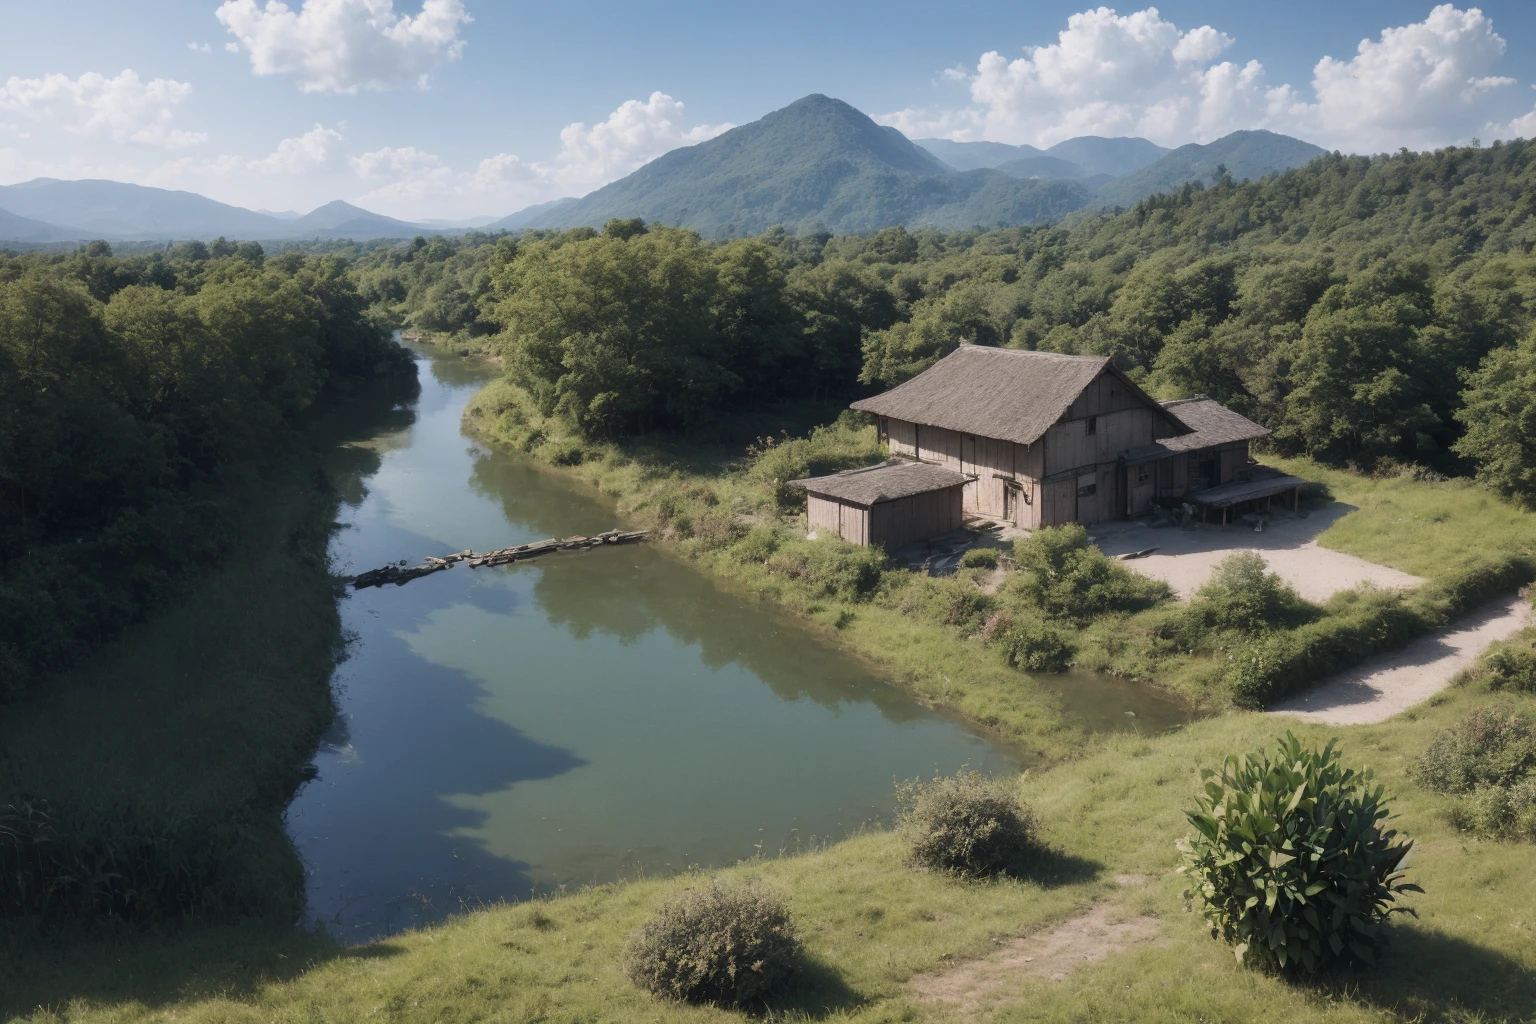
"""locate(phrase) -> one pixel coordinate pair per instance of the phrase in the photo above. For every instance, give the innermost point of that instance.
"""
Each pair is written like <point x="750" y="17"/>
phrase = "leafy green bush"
<point x="757" y="546"/>
<point x="966" y="824"/>
<point x="727" y="945"/>
<point x="831" y="567"/>
<point x="1490" y="747"/>
<point x="1290" y="862"/>
<point x="1499" y="813"/>
<point x="1036" y="647"/>
<point x="1511" y="664"/>
<point x="979" y="558"/>
<point x="1241" y="595"/>
<point x="828" y="449"/>
<point x="1066" y="577"/>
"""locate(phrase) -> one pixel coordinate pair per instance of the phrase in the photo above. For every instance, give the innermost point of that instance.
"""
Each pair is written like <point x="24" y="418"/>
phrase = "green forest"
<point x="134" y="391"/>
<point x="1376" y="313"/>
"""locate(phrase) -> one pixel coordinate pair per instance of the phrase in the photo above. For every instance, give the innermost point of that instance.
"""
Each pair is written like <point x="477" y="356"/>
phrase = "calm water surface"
<point x="584" y="717"/>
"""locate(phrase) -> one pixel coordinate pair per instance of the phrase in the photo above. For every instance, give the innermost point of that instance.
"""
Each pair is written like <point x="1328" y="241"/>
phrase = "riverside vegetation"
<point x="1279" y="297"/>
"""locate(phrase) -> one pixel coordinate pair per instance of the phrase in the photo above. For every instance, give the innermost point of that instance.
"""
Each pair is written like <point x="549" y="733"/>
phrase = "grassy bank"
<point x="721" y="500"/>
<point x="147" y="785"/>
<point x="871" y="924"/>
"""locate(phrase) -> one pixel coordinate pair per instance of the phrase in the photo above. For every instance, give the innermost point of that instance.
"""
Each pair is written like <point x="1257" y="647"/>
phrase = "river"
<point x="585" y="717"/>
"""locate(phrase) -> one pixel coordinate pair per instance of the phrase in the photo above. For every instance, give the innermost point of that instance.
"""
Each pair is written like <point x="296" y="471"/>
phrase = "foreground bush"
<point x="966" y="824"/>
<point x="726" y="944"/>
<point x="1290" y="862"/>
<point x="1065" y="576"/>
<point x="1241" y="595"/>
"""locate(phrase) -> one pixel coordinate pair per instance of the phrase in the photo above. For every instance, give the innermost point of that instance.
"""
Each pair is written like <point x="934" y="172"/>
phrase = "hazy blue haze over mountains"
<point x="816" y="164"/>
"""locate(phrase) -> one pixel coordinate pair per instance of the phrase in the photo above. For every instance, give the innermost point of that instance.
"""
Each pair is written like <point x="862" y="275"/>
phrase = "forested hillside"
<point x="132" y="391"/>
<point x="1373" y="311"/>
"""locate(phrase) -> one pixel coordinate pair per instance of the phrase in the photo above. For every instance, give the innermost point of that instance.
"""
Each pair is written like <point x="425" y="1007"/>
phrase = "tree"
<point x="1499" y="412"/>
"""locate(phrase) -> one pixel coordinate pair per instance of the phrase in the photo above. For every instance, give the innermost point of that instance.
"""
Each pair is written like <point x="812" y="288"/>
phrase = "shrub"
<point x="1290" y="862"/>
<point x="1241" y="595"/>
<point x="727" y="945"/>
<point x="828" y="449"/>
<point x="757" y="546"/>
<point x="1512" y="663"/>
<point x="831" y="567"/>
<point x="1037" y="647"/>
<point x="979" y="558"/>
<point x="1499" y="813"/>
<point x="966" y="824"/>
<point x="1489" y="747"/>
<point x="1066" y="577"/>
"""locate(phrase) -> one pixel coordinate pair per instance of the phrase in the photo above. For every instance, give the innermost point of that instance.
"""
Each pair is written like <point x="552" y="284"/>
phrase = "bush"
<point x="1241" y="595"/>
<point x="831" y="567"/>
<point x="1037" y="647"/>
<point x="1289" y="860"/>
<point x="979" y="558"/>
<point x="966" y="824"/>
<point x="1489" y="747"/>
<point x="1511" y="663"/>
<point x="1066" y="577"/>
<point x="1497" y="813"/>
<point x="727" y="945"/>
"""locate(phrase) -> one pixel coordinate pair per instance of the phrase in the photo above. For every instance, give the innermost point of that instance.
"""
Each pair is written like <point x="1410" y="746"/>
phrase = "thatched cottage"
<point x="1038" y="439"/>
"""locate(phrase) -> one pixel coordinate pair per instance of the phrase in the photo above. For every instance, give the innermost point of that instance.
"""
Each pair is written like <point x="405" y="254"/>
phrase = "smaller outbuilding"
<point x="889" y="506"/>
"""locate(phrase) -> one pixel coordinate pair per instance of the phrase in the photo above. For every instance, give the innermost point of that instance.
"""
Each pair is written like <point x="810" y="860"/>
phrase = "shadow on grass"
<point x="818" y="991"/>
<point x="1431" y="976"/>
<point x="1053" y="869"/>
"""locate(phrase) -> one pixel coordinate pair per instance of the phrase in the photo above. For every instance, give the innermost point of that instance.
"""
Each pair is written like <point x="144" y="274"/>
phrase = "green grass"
<point x="871" y="923"/>
<point x="1424" y="527"/>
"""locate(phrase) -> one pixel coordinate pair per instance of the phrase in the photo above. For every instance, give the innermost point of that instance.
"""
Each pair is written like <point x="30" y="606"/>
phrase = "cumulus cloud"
<point x="1423" y="84"/>
<point x="199" y="47"/>
<point x="317" y="148"/>
<point x="346" y="45"/>
<point x="124" y="108"/>
<point x="403" y="179"/>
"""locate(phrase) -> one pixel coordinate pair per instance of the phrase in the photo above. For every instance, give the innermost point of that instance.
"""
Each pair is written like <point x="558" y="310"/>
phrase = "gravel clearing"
<point x="1382" y="686"/>
<point x="1186" y="556"/>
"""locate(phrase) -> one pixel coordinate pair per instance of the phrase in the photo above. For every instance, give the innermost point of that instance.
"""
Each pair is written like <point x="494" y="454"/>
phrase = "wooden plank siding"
<point x="895" y="524"/>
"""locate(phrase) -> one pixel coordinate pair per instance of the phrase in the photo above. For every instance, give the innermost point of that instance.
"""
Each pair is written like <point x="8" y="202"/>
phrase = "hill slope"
<point x="972" y="156"/>
<point x="115" y="209"/>
<point x="338" y="219"/>
<point x="14" y="228"/>
<point x="1247" y="154"/>
<point x="1098" y="155"/>
<point x="817" y="162"/>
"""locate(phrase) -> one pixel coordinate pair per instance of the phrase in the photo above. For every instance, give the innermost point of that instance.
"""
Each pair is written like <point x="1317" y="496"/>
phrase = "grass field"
<point x="871" y="924"/>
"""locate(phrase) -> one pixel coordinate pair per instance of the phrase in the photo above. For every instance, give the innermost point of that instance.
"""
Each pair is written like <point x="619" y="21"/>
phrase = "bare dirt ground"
<point x="1187" y="555"/>
<point x="1381" y="687"/>
<point x="1089" y="937"/>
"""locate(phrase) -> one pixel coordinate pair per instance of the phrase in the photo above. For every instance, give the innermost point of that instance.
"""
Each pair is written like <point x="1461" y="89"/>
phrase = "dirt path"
<point x="1382" y="686"/>
<point x="1093" y="935"/>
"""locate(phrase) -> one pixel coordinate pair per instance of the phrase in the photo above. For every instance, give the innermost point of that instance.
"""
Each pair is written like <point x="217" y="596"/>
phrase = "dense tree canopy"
<point x="128" y="388"/>
<point x="1342" y="304"/>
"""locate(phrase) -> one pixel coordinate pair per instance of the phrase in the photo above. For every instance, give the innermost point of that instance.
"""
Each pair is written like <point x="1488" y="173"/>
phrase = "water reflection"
<point x="586" y="717"/>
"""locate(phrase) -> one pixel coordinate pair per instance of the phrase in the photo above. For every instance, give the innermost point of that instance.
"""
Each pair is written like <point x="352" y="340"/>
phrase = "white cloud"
<point x="200" y="47"/>
<point x="346" y="45"/>
<point x="317" y="148"/>
<point x="1423" y="84"/>
<point x="405" y="180"/>
<point x="124" y="108"/>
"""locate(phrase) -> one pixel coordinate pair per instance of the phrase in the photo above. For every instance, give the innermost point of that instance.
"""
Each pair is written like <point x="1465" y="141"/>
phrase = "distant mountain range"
<point x="50" y="210"/>
<point x="816" y="164"/>
<point x="819" y="163"/>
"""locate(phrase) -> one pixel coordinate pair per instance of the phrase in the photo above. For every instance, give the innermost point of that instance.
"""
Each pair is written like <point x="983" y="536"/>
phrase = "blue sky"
<point x="455" y="108"/>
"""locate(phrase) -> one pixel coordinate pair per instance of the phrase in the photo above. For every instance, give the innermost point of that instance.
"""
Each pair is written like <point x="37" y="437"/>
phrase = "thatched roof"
<point x="1213" y="424"/>
<point x="888" y="481"/>
<point x="1004" y="393"/>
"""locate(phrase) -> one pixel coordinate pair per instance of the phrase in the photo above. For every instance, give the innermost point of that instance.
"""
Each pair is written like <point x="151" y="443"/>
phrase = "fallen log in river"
<point x="402" y="574"/>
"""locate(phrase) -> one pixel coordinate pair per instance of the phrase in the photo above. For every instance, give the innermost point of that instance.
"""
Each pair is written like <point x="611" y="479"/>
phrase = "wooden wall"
<point x="990" y="460"/>
<point x="840" y="518"/>
<point x="895" y="524"/>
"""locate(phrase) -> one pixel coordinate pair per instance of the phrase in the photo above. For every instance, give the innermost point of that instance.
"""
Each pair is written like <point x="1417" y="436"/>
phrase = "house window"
<point x="1143" y="473"/>
<point x="1087" y="490"/>
<point x="1093" y="424"/>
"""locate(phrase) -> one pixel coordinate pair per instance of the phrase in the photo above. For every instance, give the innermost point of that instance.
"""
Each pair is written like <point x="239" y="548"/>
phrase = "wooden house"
<point x="887" y="506"/>
<point x="1043" y="439"/>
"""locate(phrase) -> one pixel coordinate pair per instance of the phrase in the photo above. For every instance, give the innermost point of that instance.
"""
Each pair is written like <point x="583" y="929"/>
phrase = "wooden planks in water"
<point x="402" y="574"/>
